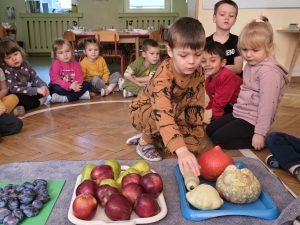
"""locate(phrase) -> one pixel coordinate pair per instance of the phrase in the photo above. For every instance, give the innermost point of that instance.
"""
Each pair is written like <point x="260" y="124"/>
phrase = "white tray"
<point x="100" y="217"/>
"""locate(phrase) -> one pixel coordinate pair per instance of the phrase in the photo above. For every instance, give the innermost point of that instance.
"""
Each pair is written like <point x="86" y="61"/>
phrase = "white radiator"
<point x="40" y="30"/>
<point x="142" y="20"/>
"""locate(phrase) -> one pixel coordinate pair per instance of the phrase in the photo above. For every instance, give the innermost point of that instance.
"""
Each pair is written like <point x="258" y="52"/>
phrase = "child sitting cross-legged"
<point x="95" y="70"/>
<point x="66" y="80"/>
<point x="138" y="73"/>
<point x="221" y="85"/>
<point x="21" y="78"/>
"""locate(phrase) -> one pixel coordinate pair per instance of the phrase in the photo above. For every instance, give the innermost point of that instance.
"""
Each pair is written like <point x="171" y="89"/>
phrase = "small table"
<point x="297" y="49"/>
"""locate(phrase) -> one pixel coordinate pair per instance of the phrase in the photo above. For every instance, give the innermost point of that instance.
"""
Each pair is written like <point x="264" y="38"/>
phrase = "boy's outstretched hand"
<point x="186" y="159"/>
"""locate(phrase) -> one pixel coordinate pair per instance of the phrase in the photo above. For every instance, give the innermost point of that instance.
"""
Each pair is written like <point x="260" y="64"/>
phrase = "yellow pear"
<point x="142" y="166"/>
<point x="111" y="182"/>
<point x="129" y="170"/>
<point x="115" y="165"/>
<point x="86" y="171"/>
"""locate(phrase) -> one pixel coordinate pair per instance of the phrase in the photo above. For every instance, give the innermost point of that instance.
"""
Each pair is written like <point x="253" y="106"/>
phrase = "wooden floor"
<point x="97" y="129"/>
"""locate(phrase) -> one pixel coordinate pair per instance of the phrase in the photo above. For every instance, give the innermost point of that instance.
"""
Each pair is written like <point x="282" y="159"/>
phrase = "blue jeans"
<point x="285" y="148"/>
<point x="71" y="95"/>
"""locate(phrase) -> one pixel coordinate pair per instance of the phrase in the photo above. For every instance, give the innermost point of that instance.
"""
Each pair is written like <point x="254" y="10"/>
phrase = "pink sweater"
<point x="260" y="94"/>
<point x="64" y="74"/>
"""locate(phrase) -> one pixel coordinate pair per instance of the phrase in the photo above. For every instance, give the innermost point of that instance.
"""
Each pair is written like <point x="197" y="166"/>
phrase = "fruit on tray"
<point x="152" y="184"/>
<point x="118" y="208"/>
<point x="118" y="190"/>
<point x="18" y="201"/>
<point x="146" y="206"/>
<point x="84" y="206"/>
<point x="102" y="172"/>
<point x="86" y="171"/>
<point x="238" y="185"/>
<point x="190" y="180"/>
<point x="213" y="162"/>
<point x="87" y="186"/>
<point x="204" y="197"/>
<point x="131" y="178"/>
<point x="132" y="191"/>
<point x="104" y="192"/>
<point x="115" y="165"/>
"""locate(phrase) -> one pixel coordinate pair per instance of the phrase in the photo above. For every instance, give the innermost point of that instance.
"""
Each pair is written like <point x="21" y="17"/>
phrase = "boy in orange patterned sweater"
<point x="171" y="107"/>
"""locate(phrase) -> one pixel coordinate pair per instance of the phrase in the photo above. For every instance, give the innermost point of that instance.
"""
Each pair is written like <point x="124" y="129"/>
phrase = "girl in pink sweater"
<point x="263" y="82"/>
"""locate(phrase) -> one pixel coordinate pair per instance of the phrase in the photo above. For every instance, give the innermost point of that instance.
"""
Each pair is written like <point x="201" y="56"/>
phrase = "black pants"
<point x="230" y="132"/>
<point x="9" y="124"/>
<point x="29" y="102"/>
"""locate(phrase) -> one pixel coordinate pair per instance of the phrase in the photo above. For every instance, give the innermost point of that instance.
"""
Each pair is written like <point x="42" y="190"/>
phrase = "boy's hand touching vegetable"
<point x="186" y="160"/>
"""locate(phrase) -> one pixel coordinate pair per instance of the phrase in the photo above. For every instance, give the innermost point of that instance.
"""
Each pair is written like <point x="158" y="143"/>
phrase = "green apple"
<point x="142" y="166"/>
<point x="115" y="165"/>
<point x="111" y="182"/>
<point x="129" y="170"/>
<point x="86" y="171"/>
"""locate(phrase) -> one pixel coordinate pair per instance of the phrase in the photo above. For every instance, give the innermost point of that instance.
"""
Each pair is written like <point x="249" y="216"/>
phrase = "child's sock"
<point x="58" y="98"/>
<point x="43" y="100"/>
<point x="295" y="170"/>
<point x="127" y="94"/>
<point x="85" y="96"/>
<point x="120" y="83"/>
<point x="111" y="87"/>
<point x="272" y="161"/>
<point x="103" y="92"/>
<point x="19" y="111"/>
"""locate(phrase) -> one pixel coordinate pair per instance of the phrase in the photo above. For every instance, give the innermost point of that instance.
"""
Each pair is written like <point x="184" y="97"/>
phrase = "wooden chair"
<point x="77" y="52"/>
<point x="3" y="32"/>
<point x="111" y="37"/>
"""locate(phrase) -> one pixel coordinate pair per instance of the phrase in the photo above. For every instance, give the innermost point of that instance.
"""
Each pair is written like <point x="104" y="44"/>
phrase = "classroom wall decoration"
<point x="251" y="4"/>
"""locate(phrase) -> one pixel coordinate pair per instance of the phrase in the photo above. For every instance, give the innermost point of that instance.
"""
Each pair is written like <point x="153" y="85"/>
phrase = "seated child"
<point x="285" y="151"/>
<point x="264" y="80"/>
<point x="66" y="79"/>
<point x="170" y="108"/>
<point x="21" y="78"/>
<point x="95" y="70"/>
<point x="221" y="85"/>
<point x="9" y="124"/>
<point x="139" y="72"/>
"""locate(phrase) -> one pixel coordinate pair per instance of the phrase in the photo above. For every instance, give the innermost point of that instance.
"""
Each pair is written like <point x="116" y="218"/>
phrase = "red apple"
<point x="152" y="184"/>
<point x="84" y="206"/>
<point x="131" y="178"/>
<point x="132" y="191"/>
<point x="87" y="186"/>
<point x="102" y="172"/>
<point x="118" y="208"/>
<point x="146" y="206"/>
<point x="104" y="192"/>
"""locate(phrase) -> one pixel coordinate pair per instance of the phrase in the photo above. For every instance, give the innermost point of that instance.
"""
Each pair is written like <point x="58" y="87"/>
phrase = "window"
<point x="58" y="5"/>
<point x="147" y="6"/>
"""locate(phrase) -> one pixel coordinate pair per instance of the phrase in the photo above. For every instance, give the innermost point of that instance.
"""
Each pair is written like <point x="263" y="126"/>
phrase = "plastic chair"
<point x="111" y="38"/>
<point x="77" y="52"/>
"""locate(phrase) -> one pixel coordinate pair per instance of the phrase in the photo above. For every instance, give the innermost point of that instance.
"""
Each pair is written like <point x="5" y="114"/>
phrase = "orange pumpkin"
<point x="213" y="162"/>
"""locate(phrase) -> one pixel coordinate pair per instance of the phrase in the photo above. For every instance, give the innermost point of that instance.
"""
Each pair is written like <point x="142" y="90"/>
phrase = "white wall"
<point x="279" y="18"/>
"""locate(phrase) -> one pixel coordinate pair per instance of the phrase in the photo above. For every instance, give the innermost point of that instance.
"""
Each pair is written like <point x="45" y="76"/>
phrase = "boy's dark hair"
<point x="229" y="2"/>
<point x="216" y="48"/>
<point x="9" y="46"/>
<point x="149" y="42"/>
<point x="89" y="40"/>
<point x="186" y="32"/>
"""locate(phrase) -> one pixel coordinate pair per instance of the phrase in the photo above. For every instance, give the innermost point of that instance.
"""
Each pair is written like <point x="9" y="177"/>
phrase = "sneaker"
<point x="296" y="173"/>
<point x="43" y="100"/>
<point x="127" y="94"/>
<point x="19" y="111"/>
<point x="148" y="152"/>
<point x="134" y="140"/>
<point x="120" y="83"/>
<point x="58" y="98"/>
<point x="85" y="96"/>
<point x="103" y="92"/>
<point x="272" y="161"/>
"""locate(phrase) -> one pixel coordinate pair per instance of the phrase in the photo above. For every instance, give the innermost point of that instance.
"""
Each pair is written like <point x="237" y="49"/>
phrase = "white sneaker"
<point x="120" y="83"/>
<point x="85" y="96"/>
<point x="127" y="94"/>
<point x="134" y="140"/>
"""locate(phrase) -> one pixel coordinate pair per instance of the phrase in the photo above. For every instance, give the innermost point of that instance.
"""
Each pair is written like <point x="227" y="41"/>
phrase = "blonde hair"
<point x="257" y="34"/>
<point x="57" y="44"/>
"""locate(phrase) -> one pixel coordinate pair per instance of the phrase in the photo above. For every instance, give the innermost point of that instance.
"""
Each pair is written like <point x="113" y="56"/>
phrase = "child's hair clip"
<point x="260" y="19"/>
